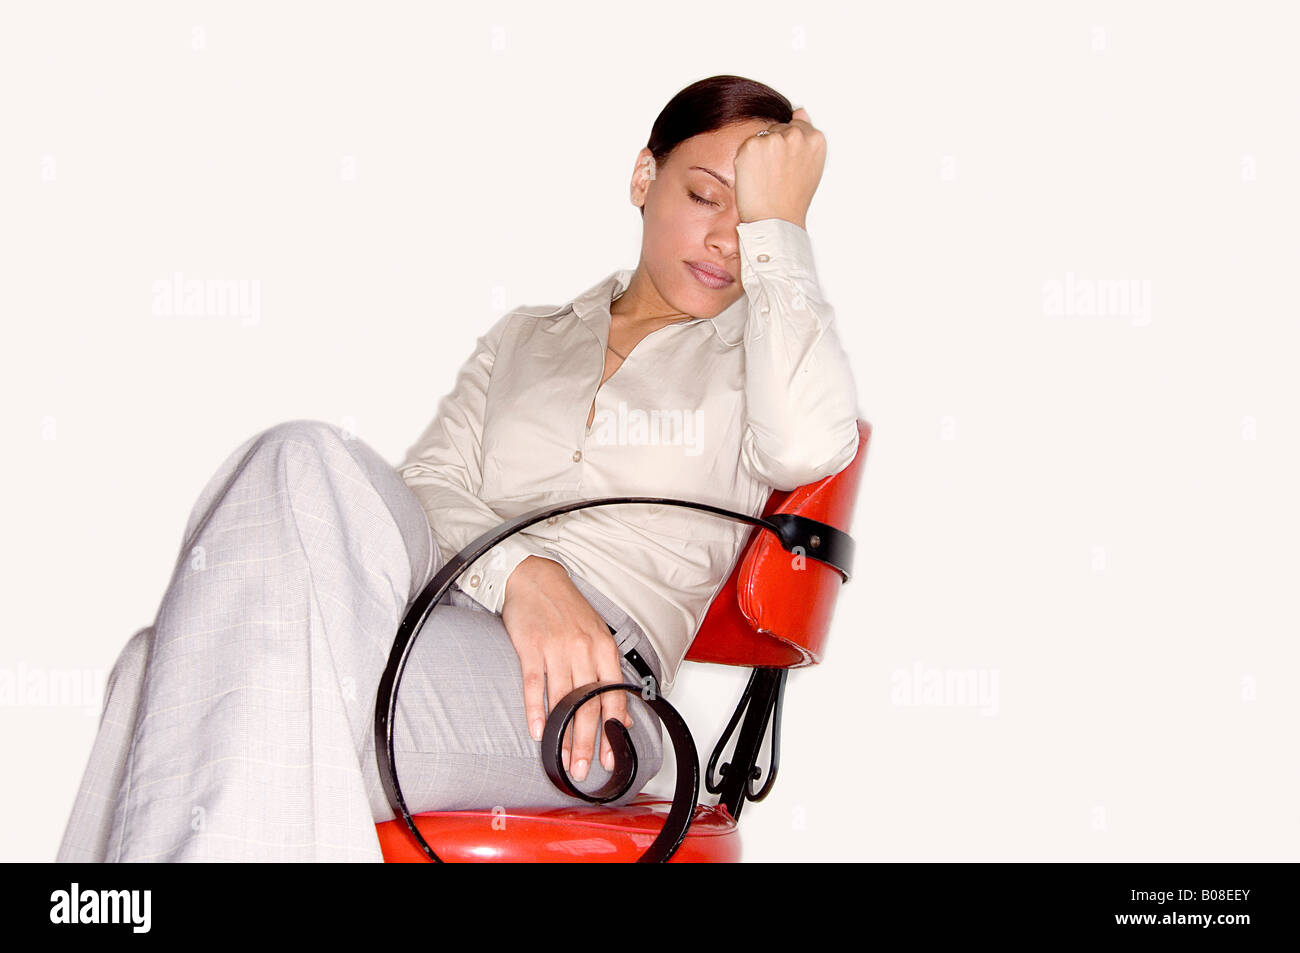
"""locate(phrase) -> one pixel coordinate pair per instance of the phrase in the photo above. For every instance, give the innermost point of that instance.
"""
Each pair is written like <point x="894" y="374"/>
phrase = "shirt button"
<point x="474" y="580"/>
<point x="577" y="455"/>
<point x="763" y="258"/>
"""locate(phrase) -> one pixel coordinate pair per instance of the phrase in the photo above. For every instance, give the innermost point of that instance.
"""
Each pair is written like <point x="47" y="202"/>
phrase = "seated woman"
<point x="239" y="725"/>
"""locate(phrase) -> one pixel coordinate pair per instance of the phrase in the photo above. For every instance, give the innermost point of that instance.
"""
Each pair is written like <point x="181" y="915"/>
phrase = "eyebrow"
<point x="720" y="178"/>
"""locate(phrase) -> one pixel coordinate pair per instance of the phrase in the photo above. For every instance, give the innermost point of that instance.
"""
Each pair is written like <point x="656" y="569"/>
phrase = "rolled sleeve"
<point x="800" y="395"/>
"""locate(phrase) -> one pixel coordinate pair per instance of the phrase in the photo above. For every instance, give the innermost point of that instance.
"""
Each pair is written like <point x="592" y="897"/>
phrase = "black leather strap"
<point x="640" y="664"/>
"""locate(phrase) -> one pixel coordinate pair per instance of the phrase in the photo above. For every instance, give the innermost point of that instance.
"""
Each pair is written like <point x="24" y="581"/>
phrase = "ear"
<point x="643" y="173"/>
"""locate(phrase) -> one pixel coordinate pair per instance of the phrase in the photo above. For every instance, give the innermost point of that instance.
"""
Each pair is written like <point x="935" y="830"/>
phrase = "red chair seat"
<point x="579" y="834"/>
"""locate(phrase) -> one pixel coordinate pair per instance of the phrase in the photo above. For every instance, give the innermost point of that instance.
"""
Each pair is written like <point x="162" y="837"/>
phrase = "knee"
<point x="131" y="664"/>
<point x="294" y="445"/>
<point x="140" y="644"/>
<point x="134" y="655"/>
<point x="303" y="429"/>
<point x="302" y="442"/>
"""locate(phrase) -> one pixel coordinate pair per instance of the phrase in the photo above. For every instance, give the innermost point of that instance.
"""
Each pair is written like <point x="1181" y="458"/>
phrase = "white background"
<point x="1094" y="513"/>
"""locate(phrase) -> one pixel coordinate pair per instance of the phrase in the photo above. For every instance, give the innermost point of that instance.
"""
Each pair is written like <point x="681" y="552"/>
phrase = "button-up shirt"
<point x="717" y="410"/>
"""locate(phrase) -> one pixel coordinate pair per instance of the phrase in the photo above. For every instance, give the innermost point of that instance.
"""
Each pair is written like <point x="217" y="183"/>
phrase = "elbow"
<point x="795" y="464"/>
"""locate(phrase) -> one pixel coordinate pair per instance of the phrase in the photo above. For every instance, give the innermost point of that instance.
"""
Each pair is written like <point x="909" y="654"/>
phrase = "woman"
<point x="239" y="726"/>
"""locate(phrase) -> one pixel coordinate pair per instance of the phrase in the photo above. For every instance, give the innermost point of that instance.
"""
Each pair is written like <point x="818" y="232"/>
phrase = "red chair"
<point x="772" y="615"/>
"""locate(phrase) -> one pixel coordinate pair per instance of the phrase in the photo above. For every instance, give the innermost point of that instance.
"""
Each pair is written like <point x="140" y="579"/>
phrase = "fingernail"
<point x="537" y="729"/>
<point x="565" y="758"/>
<point x="581" y="771"/>
<point x="608" y="761"/>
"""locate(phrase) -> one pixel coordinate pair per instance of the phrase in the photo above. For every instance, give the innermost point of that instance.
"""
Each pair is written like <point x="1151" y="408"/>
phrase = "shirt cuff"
<point x="775" y="246"/>
<point x="484" y="580"/>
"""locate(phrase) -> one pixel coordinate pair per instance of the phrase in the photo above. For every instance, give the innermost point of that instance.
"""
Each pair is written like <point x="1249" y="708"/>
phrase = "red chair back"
<point x="775" y="609"/>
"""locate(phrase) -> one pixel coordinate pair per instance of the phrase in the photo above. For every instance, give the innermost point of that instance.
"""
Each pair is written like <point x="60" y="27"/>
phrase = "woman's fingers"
<point x="586" y="721"/>
<point x="614" y="704"/>
<point x="559" y="684"/>
<point x="534" y="673"/>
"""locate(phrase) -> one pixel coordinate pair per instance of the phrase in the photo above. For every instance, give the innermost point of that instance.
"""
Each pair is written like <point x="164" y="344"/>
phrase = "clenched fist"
<point x="777" y="174"/>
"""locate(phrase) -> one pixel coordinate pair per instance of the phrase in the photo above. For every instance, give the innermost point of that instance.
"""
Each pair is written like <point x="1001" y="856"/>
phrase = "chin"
<point x="718" y="301"/>
<point x="701" y="302"/>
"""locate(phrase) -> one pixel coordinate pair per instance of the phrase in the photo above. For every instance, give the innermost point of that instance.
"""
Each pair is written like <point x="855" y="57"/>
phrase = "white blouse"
<point x="716" y="410"/>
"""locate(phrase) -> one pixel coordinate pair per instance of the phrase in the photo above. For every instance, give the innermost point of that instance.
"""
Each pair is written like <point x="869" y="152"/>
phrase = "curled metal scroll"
<point x="686" y="790"/>
<point x="814" y="539"/>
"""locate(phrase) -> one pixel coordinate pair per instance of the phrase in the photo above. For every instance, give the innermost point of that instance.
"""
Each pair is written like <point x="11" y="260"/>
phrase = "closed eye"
<point x="697" y="198"/>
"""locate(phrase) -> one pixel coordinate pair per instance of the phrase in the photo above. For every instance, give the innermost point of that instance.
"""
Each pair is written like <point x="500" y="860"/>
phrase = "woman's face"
<point x="690" y="218"/>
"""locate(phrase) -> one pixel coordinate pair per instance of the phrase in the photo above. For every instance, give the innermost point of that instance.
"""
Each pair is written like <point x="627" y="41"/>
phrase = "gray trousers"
<point x="239" y="726"/>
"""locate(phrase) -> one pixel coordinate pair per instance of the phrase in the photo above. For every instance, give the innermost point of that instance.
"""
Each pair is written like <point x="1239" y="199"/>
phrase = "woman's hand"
<point x="562" y="643"/>
<point x="777" y="174"/>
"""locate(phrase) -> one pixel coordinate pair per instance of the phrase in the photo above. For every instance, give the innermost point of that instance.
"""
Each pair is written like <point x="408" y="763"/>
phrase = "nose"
<point x="723" y="237"/>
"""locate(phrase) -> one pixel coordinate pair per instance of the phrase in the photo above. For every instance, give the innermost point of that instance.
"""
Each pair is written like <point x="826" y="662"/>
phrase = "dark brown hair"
<point x="710" y="104"/>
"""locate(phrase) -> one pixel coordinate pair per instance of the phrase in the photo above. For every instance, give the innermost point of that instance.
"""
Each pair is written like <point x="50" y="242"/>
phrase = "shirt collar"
<point x="592" y="307"/>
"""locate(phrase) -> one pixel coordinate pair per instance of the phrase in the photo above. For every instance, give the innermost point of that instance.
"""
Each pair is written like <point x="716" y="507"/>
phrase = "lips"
<point x="710" y="275"/>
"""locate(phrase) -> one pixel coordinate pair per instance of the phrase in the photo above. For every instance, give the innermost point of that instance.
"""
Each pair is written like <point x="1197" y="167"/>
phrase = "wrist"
<point x="794" y="218"/>
<point x="531" y="567"/>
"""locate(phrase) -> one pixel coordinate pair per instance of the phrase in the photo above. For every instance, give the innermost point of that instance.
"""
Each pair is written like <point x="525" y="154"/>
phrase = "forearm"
<point x="800" y="395"/>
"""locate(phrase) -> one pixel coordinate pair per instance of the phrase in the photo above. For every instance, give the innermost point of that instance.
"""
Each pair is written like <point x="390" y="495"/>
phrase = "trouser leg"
<point x="275" y="625"/>
<point x="240" y="725"/>
<point x="85" y="838"/>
